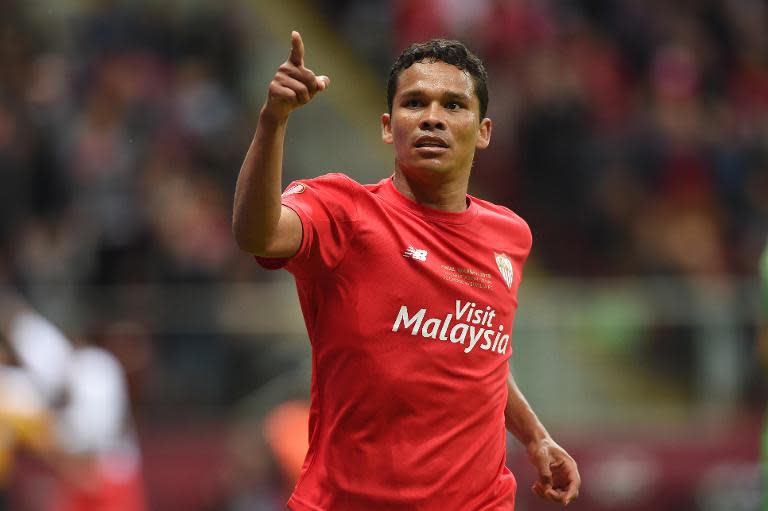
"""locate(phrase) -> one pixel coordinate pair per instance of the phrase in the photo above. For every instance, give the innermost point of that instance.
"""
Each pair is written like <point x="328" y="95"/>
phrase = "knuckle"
<point x="285" y="71"/>
<point x="308" y="85"/>
<point x="277" y="80"/>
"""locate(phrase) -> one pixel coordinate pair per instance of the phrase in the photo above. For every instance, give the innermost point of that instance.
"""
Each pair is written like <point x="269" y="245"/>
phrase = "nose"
<point x="432" y="118"/>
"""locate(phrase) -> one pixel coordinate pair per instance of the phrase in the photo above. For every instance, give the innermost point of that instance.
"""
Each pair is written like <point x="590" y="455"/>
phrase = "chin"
<point x="420" y="166"/>
<point x="430" y="168"/>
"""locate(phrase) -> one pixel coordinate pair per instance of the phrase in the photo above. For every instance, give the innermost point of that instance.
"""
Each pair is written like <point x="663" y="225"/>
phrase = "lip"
<point x="430" y="151"/>
<point x="430" y="142"/>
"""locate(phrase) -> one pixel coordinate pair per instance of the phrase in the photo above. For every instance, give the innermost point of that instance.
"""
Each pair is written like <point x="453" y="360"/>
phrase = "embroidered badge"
<point x="505" y="268"/>
<point x="297" y="188"/>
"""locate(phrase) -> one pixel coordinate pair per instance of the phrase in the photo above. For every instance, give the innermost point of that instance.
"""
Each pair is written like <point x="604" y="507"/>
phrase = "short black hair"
<point x="443" y="50"/>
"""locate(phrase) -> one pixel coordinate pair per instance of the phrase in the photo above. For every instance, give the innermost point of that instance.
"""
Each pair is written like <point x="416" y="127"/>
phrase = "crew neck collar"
<point x="394" y="195"/>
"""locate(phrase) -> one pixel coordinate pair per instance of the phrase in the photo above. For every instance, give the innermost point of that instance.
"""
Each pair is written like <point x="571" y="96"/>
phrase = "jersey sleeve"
<point x="327" y="209"/>
<point x="526" y="243"/>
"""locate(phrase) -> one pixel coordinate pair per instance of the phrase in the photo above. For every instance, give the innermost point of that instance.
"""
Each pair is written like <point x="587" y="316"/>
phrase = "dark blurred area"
<point x="121" y="132"/>
<point x="631" y="135"/>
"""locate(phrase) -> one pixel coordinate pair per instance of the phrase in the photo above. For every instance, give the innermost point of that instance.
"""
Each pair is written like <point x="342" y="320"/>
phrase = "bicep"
<point x="288" y="236"/>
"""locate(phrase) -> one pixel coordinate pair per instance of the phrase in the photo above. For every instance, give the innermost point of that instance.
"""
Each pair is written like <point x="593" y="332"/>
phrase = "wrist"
<point x="272" y="119"/>
<point x="535" y="439"/>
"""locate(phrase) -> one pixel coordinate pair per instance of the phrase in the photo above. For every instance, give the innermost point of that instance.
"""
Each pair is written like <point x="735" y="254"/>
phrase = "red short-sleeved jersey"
<point x="409" y="311"/>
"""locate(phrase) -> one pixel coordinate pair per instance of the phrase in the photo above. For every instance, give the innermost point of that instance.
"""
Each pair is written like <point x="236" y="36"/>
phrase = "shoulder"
<point x="335" y="185"/>
<point x="503" y="217"/>
<point x="332" y="180"/>
<point x="333" y="195"/>
<point x="500" y="213"/>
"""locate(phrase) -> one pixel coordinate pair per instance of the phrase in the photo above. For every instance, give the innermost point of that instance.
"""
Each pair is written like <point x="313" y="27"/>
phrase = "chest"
<point x="479" y="260"/>
<point x="436" y="280"/>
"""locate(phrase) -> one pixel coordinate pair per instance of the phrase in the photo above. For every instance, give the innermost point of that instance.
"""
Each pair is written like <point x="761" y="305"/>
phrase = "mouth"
<point x="430" y="142"/>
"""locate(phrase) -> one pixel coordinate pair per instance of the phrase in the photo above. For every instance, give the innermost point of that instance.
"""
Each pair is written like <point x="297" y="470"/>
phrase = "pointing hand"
<point x="294" y="85"/>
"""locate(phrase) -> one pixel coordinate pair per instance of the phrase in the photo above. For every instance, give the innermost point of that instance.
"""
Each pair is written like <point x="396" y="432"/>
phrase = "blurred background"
<point x="632" y="136"/>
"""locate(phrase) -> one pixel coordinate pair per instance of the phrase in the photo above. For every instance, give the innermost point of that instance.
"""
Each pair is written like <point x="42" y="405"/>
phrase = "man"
<point x="92" y="446"/>
<point x="408" y="289"/>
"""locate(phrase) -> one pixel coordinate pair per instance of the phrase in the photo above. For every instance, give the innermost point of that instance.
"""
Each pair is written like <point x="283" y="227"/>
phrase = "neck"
<point x="436" y="191"/>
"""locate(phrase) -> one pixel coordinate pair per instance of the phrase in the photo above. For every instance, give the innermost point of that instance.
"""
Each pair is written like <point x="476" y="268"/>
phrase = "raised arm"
<point x="35" y="343"/>
<point x="260" y="224"/>
<point x="559" y="478"/>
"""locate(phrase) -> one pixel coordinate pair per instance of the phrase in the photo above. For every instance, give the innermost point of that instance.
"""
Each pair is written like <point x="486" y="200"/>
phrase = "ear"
<point x="484" y="134"/>
<point x="386" y="128"/>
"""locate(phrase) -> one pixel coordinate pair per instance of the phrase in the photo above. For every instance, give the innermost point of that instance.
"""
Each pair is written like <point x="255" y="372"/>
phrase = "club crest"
<point x="505" y="268"/>
<point x="297" y="188"/>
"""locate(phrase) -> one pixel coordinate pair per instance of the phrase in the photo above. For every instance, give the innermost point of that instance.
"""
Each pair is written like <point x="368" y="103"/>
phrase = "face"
<point x="435" y="124"/>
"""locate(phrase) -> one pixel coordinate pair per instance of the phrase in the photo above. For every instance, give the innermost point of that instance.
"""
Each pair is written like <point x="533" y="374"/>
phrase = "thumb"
<point x="323" y="82"/>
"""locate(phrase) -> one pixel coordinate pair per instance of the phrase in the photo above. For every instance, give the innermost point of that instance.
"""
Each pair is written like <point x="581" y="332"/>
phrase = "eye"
<point x="453" y="105"/>
<point x="412" y="103"/>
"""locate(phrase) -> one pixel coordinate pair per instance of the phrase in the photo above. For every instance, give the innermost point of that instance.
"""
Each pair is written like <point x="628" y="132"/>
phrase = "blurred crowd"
<point x="631" y="134"/>
<point x="119" y="142"/>
<point x="122" y="128"/>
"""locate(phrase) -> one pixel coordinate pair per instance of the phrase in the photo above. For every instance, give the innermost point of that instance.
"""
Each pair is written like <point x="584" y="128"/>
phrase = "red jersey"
<point x="409" y="312"/>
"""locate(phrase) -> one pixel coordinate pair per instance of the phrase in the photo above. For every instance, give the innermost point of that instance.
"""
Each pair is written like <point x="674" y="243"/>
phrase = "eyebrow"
<point x="449" y="95"/>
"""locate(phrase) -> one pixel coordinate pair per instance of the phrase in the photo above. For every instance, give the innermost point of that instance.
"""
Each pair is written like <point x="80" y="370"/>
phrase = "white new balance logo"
<point x="415" y="253"/>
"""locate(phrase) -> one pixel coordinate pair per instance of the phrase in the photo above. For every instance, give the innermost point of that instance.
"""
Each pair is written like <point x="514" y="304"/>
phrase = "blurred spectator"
<point x="24" y="421"/>
<point x="92" y="447"/>
<point x="618" y="125"/>
<point x="678" y="91"/>
<point x="632" y="136"/>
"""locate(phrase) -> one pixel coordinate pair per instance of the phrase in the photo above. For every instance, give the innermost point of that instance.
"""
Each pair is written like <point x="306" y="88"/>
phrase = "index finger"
<point x="297" y="49"/>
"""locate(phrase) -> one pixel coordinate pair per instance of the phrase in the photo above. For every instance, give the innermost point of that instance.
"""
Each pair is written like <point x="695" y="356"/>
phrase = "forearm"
<point x="559" y="478"/>
<point x="519" y="417"/>
<point x="260" y="224"/>
<point x="256" y="211"/>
